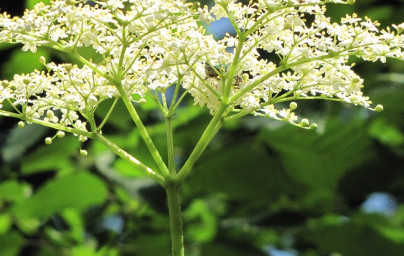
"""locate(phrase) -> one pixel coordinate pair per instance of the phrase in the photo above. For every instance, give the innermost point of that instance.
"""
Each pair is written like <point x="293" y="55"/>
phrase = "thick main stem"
<point x="173" y="191"/>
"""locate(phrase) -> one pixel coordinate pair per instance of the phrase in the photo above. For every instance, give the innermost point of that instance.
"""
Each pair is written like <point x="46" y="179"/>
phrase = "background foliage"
<point x="261" y="188"/>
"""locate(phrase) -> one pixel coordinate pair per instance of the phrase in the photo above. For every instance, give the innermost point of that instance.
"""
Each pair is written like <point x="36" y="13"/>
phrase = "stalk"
<point x="173" y="191"/>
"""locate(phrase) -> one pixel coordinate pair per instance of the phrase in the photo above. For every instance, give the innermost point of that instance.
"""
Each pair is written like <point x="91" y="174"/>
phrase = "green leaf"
<point x="346" y="237"/>
<point x="76" y="226"/>
<point x="5" y="223"/>
<point x="230" y="249"/>
<point x="50" y="157"/>
<point x="203" y="223"/>
<point x="31" y="3"/>
<point x="14" y="191"/>
<point x="320" y="160"/>
<point x="23" y="62"/>
<point x="74" y="191"/>
<point x="20" y="140"/>
<point x="386" y="133"/>
<point x="10" y="244"/>
<point x="243" y="171"/>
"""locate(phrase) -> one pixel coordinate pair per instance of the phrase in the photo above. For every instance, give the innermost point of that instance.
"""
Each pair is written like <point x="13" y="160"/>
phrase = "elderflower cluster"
<point x="143" y="47"/>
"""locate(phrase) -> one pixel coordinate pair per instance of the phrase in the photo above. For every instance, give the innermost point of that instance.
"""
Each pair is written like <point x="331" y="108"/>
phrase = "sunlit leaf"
<point x="74" y="191"/>
<point x="30" y="3"/>
<point x="13" y="191"/>
<point x="386" y="133"/>
<point x="23" y="62"/>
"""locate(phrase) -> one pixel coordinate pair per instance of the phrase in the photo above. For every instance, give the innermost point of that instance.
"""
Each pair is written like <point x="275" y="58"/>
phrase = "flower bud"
<point x="21" y="124"/>
<point x="60" y="134"/>
<point x="83" y="152"/>
<point x="142" y="101"/>
<point x="313" y="126"/>
<point x="48" y="140"/>
<point x="68" y="67"/>
<point x="400" y="28"/>
<point x="304" y="123"/>
<point x="356" y="80"/>
<point x="42" y="60"/>
<point x="293" y="106"/>
<point x="26" y="80"/>
<point x="378" y="108"/>
<point x="244" y="77"/>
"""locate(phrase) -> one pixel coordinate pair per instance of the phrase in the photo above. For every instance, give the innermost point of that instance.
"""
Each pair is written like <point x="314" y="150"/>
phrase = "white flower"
<point x="143" y="47"/>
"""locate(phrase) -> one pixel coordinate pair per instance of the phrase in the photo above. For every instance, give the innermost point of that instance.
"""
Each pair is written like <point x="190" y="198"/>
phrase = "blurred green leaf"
<point x="348" y="236"/>
<point x="74" y="191"/>
<point x="20" y="140"/>
<point x="76" y="226"/>
<point x="10" y="244"/>
<point x="5" y="223"/>
<point x="202" y="222"/>
<point x="13" y="191"/>
<point x="23" y="62"/>
<point x="119" y="118"/>
<point x="30" y="3"/>
<point x="386" y="133"/>
<point x="243" y="171"/>
<point x="50" y="157"/>
<point x="320" y="160"/>
<point x="230" y="250"/>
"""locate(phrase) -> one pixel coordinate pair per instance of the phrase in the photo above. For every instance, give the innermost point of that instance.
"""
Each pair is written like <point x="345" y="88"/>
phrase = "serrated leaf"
<point x="320" y="160"/>
<point x="244" y="171"/>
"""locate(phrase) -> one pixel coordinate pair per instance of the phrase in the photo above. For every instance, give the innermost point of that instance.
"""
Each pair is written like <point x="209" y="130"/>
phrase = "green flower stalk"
<point x="145" y="47"/>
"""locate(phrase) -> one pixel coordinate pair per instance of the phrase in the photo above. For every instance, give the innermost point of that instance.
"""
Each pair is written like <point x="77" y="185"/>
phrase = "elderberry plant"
<point x="145" y="47"/>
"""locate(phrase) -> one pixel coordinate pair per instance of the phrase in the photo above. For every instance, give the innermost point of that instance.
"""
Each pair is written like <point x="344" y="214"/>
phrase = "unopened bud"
<point x="304" y="123"/>
<point x="378" y="108"/>
<point x="400" y="28"/>
<point x="26" y="80"/>
<point x="42" y="60"/>
<point x="21" y="124"/>
<point x="68" y="67"/>
<point x="48" y="140"/>
<point x="244" y="77"/>
<point x="83" y="152"/>
<point x="142" y="101"/>
<point x="293" y="106"/>
<point x="60" y="134"/>
<point x="313" y="126"/>
<point x="356" y="80"/>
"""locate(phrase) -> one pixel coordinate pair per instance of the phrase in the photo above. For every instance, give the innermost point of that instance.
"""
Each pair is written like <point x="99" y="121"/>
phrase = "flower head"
<point x="142" y="47"/>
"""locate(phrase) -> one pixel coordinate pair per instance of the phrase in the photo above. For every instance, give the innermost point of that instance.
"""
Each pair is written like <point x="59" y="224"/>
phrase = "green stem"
<point x="129" y="158"/>
<point x="170" y="146"/>
<point x="142" y="130"/>
<point x="173" y="191"/>
<point x="210" y="131"/>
